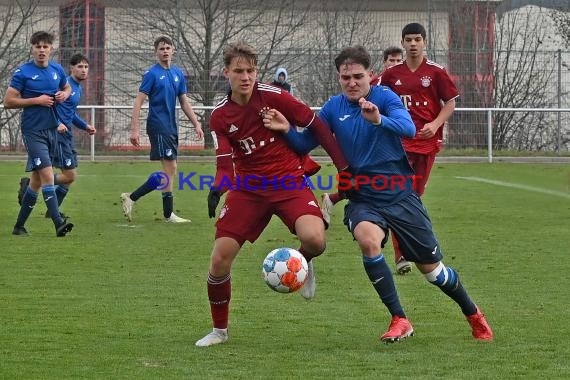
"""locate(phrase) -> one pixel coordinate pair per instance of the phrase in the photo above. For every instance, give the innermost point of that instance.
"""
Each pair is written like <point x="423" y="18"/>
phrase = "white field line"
<point x="517" y="186"/>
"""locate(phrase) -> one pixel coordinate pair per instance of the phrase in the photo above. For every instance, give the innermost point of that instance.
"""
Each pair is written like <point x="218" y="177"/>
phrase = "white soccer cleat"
<point x="127" y="204"/>
<point x="326" y="208"/>
<point x="217" y="336"/>
<point x="403" y="267"/>
<point x="308" y="289"/>
<point x="173" y="218"/>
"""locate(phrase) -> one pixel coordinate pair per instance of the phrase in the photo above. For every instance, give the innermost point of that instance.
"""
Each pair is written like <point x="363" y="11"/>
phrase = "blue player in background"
<point x="66" y="160"/>
<point x="368" y="123"/>
<point x="163" y="84"/>
<point x="36" y="87"/>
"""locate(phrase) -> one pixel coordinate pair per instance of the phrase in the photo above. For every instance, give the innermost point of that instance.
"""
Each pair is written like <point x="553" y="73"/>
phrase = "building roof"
<point x="509" y="5"/>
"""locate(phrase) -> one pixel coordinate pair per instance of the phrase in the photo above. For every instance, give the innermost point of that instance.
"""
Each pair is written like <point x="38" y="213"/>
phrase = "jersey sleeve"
<point x="146" y="83"/>
<point x="394" y="115"/>
<point x="446" y="87"/>
<point x="63" y="77"/>
<point x="183" y="88"/>
<point x="18" y="80"/>
<point x="79" y="122"/>
<point x="301" y="142"/>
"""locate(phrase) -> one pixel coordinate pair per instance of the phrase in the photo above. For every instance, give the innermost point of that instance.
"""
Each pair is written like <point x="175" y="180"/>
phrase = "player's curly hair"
<point x="353" y="54"/>
<point x="242" y="50"/>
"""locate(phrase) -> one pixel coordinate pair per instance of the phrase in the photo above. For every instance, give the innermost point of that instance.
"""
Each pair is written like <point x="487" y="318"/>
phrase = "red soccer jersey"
<point x="238" y="132"/>
<point x="422" y="92"/>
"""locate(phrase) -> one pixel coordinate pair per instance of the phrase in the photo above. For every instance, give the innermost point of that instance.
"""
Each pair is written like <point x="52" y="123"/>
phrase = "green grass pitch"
<point x="114" y="300"/>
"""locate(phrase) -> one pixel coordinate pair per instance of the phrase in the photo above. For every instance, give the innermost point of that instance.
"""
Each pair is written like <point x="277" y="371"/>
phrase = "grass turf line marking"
<point x="517" y="186"/>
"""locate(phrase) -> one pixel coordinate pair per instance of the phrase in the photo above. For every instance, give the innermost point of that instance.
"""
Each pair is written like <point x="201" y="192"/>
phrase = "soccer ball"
<point x="285" y="270"/>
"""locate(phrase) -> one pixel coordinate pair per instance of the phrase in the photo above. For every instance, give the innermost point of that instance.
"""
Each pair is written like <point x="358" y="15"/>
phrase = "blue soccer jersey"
<point x="32" y="81"/>
<point x="163" y="87"/>
<point x="67" y="111"/>
<point x="385" y="176"/>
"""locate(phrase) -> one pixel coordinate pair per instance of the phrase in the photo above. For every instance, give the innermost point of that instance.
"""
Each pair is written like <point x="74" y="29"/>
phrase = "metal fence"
<point x="482" y="137"/>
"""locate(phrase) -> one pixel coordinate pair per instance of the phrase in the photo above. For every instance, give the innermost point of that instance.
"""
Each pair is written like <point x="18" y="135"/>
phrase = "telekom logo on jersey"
<point x="342" y="181"/>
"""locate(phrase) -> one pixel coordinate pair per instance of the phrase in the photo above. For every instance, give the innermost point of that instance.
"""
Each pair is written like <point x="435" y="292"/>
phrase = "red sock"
<point x="219" y="294"/>
<point x="335" y="198"/>
<point x="397" y="251"/>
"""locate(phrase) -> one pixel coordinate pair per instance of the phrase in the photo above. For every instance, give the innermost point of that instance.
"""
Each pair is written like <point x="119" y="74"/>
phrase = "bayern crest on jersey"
<point x="426" y="81"/>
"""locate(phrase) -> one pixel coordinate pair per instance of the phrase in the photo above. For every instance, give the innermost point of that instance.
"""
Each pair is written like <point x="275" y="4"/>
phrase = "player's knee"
<point x="442" y="276"/>
<point x="220" y="263"/>
<point x="369" y="245"/>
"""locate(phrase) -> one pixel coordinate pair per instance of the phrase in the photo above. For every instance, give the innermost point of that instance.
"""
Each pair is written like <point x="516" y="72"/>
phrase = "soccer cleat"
<point x="173" y="218"/>
<point x="20" y="230"/>
<point x="403" y="266"/>
<point x="63" y="229"/>
<point x="127" y="204"/>
<point x="400" y="328"/>
<point x="480" y="329"/>
<point x="326" y="208"/>
<point x="24" y="183"/>
<point x="308" y="289"/>
<point x="217" y="336"/>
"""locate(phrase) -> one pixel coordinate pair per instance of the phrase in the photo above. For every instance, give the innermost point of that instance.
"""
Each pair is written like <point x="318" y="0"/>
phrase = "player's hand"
<point x="428" y="131"/>
<point x="135" y="138"/>
<point x="61" y="96"/>
<point x="45" y="100"/>
<point x="369" y="111"/>
<point x="274" y="120"/>
<point x="199" y="131"/>
<point x="213" y="201"/>
<point x="61" y="128"/>
<point x="91" y="130"/>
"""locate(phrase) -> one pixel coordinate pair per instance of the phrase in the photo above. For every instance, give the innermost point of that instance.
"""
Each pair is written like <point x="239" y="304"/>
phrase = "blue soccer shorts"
<point x="66" y="157"/>
<point x="163" y="147"/>
<point x="41" y="147"/>
<point x="408" y="219"/>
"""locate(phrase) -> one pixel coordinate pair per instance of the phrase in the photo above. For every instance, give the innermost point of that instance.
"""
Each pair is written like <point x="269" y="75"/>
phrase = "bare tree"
<point x="520" y="79"/>
<point x="201" y="29"/>
<point x="14" y="50"/>
<point x="336" y="27"/>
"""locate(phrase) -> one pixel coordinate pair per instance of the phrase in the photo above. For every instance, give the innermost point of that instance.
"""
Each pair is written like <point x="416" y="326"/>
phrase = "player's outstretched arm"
<point x="301" y="142"/>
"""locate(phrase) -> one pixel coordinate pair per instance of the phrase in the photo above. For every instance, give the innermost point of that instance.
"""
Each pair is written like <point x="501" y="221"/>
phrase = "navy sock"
<point x="143" y="190"/>
<point x="167" y="203"/>
<point x="60" y="192"/>
<point x="28" y="202"/>
<point x="48" y="191"/>
<point x="379" y="273"/>
<point x="448" y="281"/>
